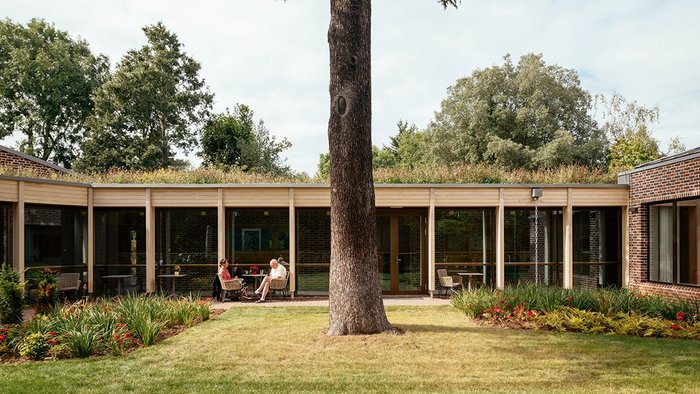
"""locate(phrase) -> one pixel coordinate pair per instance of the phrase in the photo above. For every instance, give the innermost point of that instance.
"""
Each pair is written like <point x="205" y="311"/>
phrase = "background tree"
<point x="223" y="136"/>
<point x="233" y="139"/>
<point x="355" y="295"/>
<point x="628" y="125"/>
<point x="47" y="79"/>
<point x="153" y="103"/>
<point x="525" y="115"/>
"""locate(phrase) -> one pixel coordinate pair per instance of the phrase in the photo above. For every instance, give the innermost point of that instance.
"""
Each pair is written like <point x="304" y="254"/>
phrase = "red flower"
<point x="116" y="336"/>
<point x="128" y="335"/>
<point x="52" y="342"/>
<point x="2" y="337"/>
<point x="675" y="327"/>
<point x="52" y="333"/>
<point x="680" y="316"/>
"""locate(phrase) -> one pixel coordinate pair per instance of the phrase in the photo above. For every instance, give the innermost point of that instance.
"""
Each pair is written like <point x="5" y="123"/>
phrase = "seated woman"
<point x="226" y="276"/>
<point x="277" y="271"/>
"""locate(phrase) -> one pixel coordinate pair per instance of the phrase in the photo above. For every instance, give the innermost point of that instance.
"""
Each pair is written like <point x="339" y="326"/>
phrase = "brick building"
<point x="664" y="205"/>
<point x="18" y="161"/>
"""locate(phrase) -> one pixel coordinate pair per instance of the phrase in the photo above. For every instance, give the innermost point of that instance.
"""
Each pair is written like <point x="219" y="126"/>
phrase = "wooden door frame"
<point x="393" y="214"/>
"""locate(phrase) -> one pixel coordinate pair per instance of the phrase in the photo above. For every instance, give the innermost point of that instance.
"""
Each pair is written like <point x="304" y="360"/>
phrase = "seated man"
<point x="277" y="271"/>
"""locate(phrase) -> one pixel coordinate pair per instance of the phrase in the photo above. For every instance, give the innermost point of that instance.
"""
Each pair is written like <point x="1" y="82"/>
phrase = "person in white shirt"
<point x="277" y="271"/>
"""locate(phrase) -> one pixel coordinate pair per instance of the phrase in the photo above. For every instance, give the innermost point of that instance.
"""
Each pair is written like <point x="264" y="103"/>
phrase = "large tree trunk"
<point x="355" y="295"/>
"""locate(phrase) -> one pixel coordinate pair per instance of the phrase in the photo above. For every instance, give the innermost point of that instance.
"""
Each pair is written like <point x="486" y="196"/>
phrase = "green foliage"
<point x="42" y="285"/>
<point x="154" y="102"/>
<point x="628" y="126"/>
<point x="81" y="343"/>
<point x="634" y="148"/>
<point x="233" y="140"/>
<point x="529" y="115"/>
<point x="608" y="301"/>
<point x="11" y="296"/>
<point x="47" y="79"/>
<point x="35" y="346"/>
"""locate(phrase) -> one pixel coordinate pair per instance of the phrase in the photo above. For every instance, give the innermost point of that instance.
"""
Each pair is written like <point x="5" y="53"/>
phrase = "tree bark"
<point x="355" y="295"/>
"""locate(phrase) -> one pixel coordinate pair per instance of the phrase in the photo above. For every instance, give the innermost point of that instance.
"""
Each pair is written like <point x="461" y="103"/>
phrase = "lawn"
<point x="283" y="350"/>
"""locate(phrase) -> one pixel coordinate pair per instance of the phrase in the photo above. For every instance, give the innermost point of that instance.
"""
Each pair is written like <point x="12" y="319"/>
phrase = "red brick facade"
<point x="17" y="162"/>
<point x="660" y="182"/>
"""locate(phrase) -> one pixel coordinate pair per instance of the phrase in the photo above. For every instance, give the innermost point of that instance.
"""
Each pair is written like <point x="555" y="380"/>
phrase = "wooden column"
<point x="221" y="226"/>
<point x="568" y="243"/>
<point x="292" y="245"/>
<point x="150" y="245"/>
<point x="625" y="246"/>
<point x="500" y="244"/>
<point x="90" y="242"/>
<point x="431" y="243"/>
<point x="18" y="230"/>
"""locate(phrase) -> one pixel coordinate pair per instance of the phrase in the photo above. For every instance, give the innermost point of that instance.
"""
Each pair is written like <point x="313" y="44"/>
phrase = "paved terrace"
<point x="301" y="301"/>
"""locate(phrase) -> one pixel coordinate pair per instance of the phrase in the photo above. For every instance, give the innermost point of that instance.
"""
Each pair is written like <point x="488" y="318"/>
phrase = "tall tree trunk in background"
<point x="355" y="294"/>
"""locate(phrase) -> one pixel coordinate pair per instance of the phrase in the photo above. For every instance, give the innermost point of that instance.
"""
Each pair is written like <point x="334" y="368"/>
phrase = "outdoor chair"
<point x="232" y="285"/>
<point x="447" y="282"/>
<point x="280" y="285"/>
<point x="69" y="283"/>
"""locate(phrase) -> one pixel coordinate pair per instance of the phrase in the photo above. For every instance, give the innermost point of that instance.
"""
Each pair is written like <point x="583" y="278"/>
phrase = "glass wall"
<point x="6" y="234"/>
<point x="120" y="249"/>
<point x="55" y="237"/>
<point x="465" y="242"/>
<point x="674" y="256"/>
<point x="313" y="237"/>
<point x="597" y="247"/>
<point x="255" y="236"/>
<point x="533" y="246"/>
<point x="186" y="238"/>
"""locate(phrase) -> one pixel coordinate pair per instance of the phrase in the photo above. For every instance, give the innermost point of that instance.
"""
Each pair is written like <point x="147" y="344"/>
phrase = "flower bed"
<point x="600" y="311"/>
<point x="102" y="327"/>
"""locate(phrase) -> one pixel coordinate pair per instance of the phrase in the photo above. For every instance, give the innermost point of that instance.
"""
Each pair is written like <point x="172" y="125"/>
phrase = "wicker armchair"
<point x="69" y="283"/>
<point x="232" y="285"/>
<point x="280" y="285"/>
<point x="448" y="283"/>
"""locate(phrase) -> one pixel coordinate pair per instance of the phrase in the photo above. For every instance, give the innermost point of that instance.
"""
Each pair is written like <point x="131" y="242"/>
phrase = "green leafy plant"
<point x="81" y="343"/>
<point x="11" y="296"/>
<point x="35" y="346"/>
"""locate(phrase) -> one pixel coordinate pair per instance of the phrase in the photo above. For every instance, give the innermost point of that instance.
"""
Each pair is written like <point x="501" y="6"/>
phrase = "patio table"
<point x="256" y="278"/>
<point x="119" y="279"/>
<point x="469" y="276"/>
<point x="174" y="277"/>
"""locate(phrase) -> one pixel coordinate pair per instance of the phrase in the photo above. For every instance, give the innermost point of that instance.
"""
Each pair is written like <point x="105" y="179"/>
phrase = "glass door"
<point x="401" y="251"/>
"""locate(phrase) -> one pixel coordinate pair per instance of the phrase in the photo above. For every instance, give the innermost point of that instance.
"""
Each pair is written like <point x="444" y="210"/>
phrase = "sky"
<point x="273" y="55"/>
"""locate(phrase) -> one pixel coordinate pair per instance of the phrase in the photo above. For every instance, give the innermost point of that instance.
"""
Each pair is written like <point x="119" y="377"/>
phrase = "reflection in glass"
<point x="465" y="242"/>
<point x="55" y="237"/>
<point x="313" y="237"/>
<point x="596" y="247"/>
<point x="120" y="247"/>
<point x="533" y="246"/>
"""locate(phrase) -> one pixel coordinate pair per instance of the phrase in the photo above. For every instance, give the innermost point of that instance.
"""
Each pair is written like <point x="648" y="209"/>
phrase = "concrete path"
<point x="301" y="301"/>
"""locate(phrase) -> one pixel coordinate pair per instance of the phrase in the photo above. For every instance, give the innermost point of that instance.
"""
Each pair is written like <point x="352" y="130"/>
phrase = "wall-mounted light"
<point x="634" y="210"/>
<point x="536" y="193"/>
<point x="266" y="213"/>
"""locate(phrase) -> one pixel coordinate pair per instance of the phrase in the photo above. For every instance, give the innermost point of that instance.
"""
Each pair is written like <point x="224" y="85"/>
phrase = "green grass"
<point x="283" y="350"/>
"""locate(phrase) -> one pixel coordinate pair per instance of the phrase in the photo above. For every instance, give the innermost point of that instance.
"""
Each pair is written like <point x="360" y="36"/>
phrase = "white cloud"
<point x="273" y="55"/>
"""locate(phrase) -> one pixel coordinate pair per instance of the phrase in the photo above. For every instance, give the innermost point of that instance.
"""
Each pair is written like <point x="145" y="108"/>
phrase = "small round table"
<point x="173" y="294"/>
<point x="469" y="276"/>
<point x="119" y="279"/>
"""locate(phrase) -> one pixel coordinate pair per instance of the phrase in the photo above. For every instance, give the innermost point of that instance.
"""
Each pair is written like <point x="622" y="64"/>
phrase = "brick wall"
<point x="18" y="163"/>
<point x="669" y="182"/>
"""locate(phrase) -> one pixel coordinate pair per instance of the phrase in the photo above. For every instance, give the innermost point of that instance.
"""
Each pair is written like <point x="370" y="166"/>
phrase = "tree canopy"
<point x="528" y="114"/>
<point x="233" y="139"/>
<point x="47" y="79"/>
<point x="154" y="102"/>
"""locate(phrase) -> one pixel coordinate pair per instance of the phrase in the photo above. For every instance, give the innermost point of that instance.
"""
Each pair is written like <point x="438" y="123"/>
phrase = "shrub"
<point x="35" y="346"/>
<point x="11" y="296"/>
<point x="81" y="343"/>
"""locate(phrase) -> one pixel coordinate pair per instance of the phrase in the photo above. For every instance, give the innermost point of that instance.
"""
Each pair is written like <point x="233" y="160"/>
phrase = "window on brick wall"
<point x="674" y="256"/>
